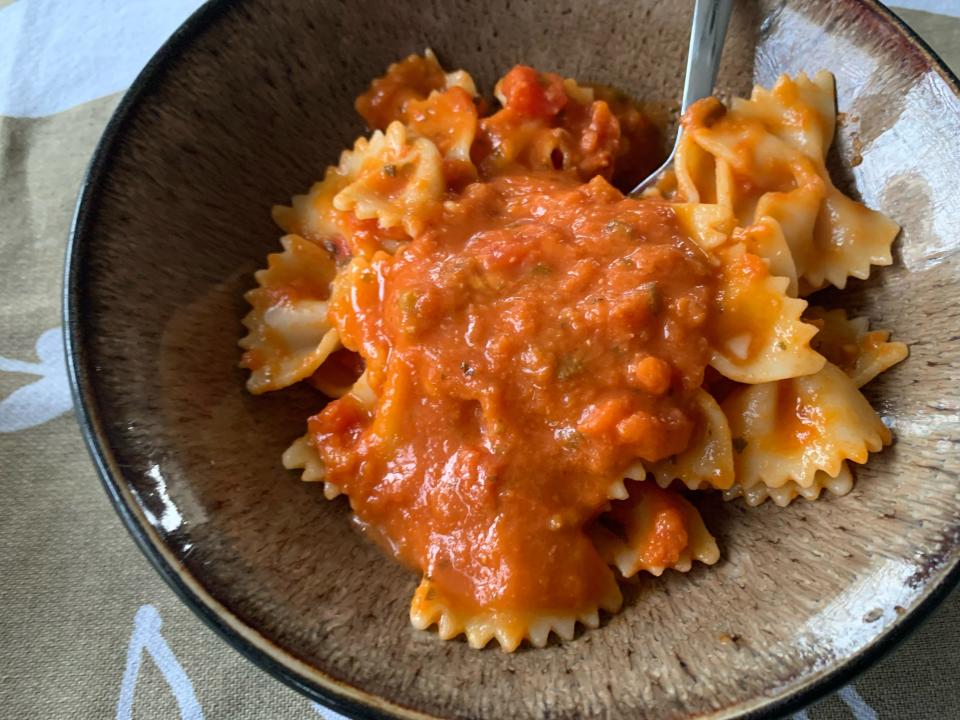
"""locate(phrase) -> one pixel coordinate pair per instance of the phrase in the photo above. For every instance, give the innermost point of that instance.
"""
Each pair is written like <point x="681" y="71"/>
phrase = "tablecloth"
<point x="87" y="628"/>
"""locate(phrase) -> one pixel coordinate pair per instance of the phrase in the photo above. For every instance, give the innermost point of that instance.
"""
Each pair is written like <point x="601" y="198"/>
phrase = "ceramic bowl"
<point x="244" y="107"/>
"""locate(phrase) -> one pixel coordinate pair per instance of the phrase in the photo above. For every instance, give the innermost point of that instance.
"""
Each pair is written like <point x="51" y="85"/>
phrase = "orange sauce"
<point x="541" y="127"/>
<point x="413" y="78"/>
<point x="531" y="344"/>
<point x="800" y="423"/>
<point x="661" y="535"/>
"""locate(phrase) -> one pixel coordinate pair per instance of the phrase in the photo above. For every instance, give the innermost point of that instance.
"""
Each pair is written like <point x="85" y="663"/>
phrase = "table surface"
<point x="87" y="628"/>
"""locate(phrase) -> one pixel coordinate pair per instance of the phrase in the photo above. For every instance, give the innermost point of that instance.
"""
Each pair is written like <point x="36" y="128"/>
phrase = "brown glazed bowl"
<point x="245" y="106"/>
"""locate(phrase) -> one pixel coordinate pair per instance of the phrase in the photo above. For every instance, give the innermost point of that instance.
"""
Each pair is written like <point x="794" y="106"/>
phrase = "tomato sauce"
<point x="413" y="78"/>
<point x="801" y="423"/>
<point x="542" y="126"/>
<point x="538" y="338"/>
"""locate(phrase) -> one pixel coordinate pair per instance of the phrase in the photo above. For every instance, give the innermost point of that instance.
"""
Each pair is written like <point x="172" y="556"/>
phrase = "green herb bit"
<point x="542" y="268"/>
<point x="467" y="369"/>
<point x="568" y="366"/>
<point x="390" y="170"/>
<point x="739" y="444"/>
<point x="654" y="296"/>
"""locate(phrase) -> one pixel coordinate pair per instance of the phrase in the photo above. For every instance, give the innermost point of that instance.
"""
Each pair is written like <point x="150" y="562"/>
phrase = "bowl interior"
<point x="249" y="112"/>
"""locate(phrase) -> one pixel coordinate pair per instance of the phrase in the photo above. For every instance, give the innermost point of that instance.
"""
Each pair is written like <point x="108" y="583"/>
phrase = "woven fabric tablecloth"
<point x="87" y="628"/>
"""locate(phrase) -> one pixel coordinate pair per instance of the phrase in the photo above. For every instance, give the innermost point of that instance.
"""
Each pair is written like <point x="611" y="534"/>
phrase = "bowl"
<point x="244" y="107"/>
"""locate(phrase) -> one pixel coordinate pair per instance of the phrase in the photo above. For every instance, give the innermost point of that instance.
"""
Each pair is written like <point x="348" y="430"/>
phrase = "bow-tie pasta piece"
<point x="756" y="175"/>
<point x="312" y="215"/>
<point x="433" y="104"/>
<point x="849" y="238"/>
<point x="758" y="335"/>
<point x="708" y="215"/>
<point x="396" y="179"/>
<point x="754" y="160"/>
<point x="382" y="193"/>
<point x="708" y="459"/>
<point x="850" y="344"/>
<point x="775" y="144"/>
<point x="652" y="530"/>
<point x="800" y="110"/>
<point x="412" y="79"/>
<point x="792" y="429"/>
<point x="289" y="333"/>
<point x="783" y="183"/>
<point x="319" y="216"/>
<point x="449" y="120"/>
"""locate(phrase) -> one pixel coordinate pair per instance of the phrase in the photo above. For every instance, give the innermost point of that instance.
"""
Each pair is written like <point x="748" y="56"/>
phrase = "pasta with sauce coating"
<point x="533" y="374"/>
<point x="289" y="333"/>
<point x="792" y="429"/>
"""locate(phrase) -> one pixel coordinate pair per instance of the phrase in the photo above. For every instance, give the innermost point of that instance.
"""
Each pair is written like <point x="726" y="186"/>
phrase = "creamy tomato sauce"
<point x="534" y="342"/>
<point x="508" y="337"/>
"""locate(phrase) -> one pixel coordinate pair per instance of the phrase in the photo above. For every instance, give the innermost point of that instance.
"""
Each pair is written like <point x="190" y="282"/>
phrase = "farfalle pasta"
<point x="850" y="344"/>
<point x="525" y="377"/>
<point x="652" y="530"/>
<point x="707" y="461"/>
<point x="792" y="429"/>
<point x="769" y="160"/>
<point x="290" y="334"/>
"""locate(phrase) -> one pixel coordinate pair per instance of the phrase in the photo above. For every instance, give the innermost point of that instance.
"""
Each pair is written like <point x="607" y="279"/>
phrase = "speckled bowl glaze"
<point x="244" y="107"/>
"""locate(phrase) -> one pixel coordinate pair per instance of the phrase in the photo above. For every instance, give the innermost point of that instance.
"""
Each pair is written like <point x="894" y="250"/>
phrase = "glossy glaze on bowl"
<point x="243" y="109"/>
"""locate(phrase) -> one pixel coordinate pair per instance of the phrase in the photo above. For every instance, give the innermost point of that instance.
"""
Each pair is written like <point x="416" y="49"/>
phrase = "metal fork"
<point x="707" y="33"/>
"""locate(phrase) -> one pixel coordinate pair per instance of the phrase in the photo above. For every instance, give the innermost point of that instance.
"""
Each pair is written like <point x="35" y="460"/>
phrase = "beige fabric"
<point x="72" y="581"/>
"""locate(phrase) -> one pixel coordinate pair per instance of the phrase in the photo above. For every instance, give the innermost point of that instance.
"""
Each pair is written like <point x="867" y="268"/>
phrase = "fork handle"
<point x="707" y="33"/>
<point x="709" y="29"/>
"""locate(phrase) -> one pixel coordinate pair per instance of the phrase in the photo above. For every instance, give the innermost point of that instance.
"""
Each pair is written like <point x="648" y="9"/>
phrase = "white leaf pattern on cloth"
<point x="858" y="706"/>
<point x="43" y="400"/>
<point x="146" y="636"/>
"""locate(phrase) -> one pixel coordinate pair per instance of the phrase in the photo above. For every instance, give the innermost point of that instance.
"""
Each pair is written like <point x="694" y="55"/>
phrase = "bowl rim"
<point x="316" y="685"/>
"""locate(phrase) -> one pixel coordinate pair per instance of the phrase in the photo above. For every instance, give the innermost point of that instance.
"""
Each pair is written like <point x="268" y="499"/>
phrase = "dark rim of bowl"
<point x="335" y="694"/>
